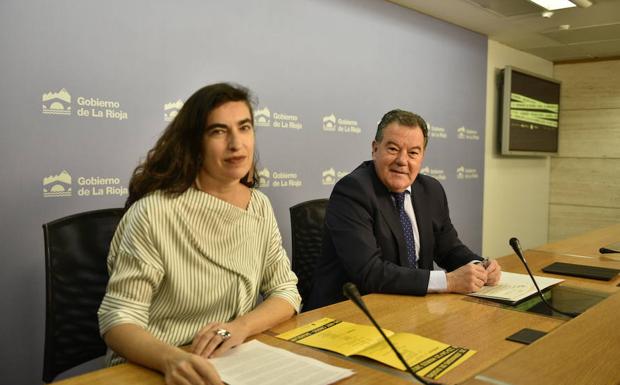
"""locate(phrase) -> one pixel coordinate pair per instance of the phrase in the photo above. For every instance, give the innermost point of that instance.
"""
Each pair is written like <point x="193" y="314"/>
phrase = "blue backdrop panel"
<point x="87" y="87"/>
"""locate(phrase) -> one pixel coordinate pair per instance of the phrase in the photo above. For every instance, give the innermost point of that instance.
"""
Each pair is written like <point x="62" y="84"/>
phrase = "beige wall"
<point x="585" y="176"/>
<point x="516" y="189"/>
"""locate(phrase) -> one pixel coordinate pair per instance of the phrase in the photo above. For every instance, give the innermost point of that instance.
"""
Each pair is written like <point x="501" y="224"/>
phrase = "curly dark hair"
<point x="174" y="162"/>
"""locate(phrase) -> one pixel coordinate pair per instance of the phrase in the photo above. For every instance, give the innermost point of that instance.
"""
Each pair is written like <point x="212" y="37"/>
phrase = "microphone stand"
<point x="516" y="246"/>
<point x="351" y="292"/>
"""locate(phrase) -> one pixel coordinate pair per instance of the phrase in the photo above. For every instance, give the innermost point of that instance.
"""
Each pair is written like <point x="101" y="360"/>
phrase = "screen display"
<point x="531" y="107"/>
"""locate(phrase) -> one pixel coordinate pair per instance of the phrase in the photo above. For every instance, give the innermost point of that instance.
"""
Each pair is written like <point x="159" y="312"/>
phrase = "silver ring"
<point x="225" y="334"/>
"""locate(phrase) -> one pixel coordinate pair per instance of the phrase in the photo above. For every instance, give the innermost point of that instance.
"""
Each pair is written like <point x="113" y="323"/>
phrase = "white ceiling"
<point x="594" y="32"/>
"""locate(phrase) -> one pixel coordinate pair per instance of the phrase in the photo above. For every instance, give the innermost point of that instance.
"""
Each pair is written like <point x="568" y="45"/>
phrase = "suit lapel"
<point x="389" y="214"/>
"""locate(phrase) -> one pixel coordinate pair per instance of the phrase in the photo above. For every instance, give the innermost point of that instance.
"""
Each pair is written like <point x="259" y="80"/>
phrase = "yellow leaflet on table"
<point x="426" y="357"/>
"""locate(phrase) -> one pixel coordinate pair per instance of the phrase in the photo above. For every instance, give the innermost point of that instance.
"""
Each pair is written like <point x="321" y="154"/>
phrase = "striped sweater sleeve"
<point x="278" y="278"/>
<point x="135" y="272"/>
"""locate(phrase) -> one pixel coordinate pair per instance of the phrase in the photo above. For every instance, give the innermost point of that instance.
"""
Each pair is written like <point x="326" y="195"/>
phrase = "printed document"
<point x="254" y="363"/>
<point x="514" y="287"/>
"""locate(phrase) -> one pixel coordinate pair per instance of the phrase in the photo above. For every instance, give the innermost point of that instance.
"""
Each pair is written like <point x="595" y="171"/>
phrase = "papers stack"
<point x="514" y="288"/>
<point x="254" y="363"/>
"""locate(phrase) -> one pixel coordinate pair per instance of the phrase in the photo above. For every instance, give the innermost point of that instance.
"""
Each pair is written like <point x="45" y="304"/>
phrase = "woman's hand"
<point x="185" y="368"/>
<point x="208" y="343"/>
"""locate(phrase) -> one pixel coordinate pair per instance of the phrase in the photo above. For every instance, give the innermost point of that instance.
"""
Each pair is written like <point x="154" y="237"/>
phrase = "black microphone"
<point x="350" y="291"/>
<point x="604" y="250"/>
<point x="516" y="246"/>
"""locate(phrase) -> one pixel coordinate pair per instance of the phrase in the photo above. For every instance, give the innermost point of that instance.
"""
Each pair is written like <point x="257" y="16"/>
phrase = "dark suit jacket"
<point x="363" y="241"/>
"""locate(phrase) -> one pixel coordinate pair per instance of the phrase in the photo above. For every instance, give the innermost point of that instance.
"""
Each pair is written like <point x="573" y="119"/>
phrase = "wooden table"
<point x="537" y="259"/>
<point x="124" y="374"/>
<point x="585" y="350"/>
<point x="450" y="318"/>
<point x="463" y="321"/>
<point x="130" y="374"/>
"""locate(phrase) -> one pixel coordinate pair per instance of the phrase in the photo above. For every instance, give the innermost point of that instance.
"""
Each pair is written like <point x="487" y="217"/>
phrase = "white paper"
<point x="514" y="287"/>
<point x="254" y="363"/>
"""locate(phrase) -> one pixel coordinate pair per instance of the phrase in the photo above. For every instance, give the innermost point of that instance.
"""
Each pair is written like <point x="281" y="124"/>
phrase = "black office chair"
<point x="307" y="232"/>
<point x="76" y="249"/>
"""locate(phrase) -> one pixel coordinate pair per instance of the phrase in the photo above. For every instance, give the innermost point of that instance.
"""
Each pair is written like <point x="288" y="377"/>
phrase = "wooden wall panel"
<point x="589" y="85"/>
<point x="585" y="182"/>
<point x="590" y="133"/>
<point x="584" y="191"/>
<point x="568" y="220"/>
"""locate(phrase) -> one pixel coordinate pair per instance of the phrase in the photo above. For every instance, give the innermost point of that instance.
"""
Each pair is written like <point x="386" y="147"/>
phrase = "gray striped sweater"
<point x="178" y="263"/>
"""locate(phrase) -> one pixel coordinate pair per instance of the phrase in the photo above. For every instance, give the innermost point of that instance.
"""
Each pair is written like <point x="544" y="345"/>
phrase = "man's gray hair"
<point x="404" y="118"/>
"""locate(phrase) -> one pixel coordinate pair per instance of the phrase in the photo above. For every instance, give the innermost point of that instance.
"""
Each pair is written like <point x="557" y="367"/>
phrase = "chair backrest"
<point x="307" y="233"/>
<point x="76" y="275"/>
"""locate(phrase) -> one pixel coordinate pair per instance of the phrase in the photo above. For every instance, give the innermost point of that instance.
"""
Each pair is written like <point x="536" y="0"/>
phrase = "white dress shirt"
<point x="437" y="282"/>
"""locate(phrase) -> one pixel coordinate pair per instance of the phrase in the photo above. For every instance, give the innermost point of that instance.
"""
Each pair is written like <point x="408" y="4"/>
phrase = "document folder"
<point x="514" y="288"/>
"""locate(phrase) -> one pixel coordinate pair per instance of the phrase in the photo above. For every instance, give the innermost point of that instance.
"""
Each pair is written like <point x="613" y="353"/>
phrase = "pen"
<point x="485" y="262"/>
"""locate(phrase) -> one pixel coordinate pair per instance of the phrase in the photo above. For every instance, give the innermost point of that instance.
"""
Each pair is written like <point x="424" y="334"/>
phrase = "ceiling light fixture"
<point x="582" y="3"/>
<point x="547" y="14"/>
<point x="552" y="5"/>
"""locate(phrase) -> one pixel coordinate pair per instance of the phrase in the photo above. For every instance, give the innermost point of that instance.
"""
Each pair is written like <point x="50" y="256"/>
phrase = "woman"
<point x="196" y="247"/>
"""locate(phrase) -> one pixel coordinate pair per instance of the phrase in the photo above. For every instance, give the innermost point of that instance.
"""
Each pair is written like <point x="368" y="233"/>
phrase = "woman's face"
<point x="228" y="143"/>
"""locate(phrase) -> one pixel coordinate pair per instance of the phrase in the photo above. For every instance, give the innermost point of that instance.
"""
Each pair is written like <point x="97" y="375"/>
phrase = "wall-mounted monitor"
<point x="530" y="113"/>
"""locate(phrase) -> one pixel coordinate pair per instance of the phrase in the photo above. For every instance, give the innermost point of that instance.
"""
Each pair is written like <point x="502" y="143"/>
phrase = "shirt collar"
<point x="407" y="190"/>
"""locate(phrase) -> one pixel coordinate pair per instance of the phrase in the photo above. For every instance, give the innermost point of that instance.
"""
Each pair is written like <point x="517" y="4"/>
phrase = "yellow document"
<point x="426" y="357"/>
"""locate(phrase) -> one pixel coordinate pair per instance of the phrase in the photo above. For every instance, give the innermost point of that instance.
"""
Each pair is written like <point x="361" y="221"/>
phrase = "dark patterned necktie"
<point x="405" y="222"/>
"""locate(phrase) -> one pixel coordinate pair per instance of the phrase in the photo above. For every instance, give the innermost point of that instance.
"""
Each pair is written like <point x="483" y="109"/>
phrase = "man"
<point x="385" y="225"/>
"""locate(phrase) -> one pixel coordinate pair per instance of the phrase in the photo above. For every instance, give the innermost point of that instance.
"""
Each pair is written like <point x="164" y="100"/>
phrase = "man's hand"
<point x="467" y="278"/>
<point x="494" y="273"/>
